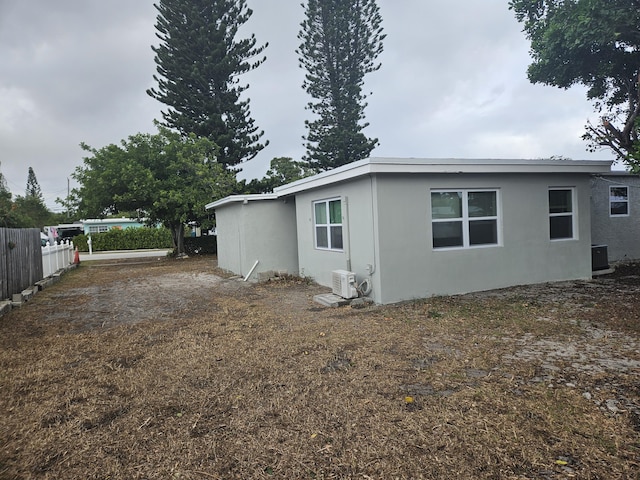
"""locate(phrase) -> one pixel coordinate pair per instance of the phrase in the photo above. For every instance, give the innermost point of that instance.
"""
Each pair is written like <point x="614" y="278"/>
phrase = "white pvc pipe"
<point x="251" y="271"/>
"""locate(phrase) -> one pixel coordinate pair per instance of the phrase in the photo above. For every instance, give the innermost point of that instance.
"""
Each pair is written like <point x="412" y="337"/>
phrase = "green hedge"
<point x="144" y="237"/>
<point x="125" y="239"/>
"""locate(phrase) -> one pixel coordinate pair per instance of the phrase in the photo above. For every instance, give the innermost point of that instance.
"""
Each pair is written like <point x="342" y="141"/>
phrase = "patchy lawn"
<point x="167" y="370"/>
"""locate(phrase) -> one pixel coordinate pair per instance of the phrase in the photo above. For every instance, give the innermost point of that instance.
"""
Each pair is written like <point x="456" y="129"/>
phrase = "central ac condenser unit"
<point x="344" y="284"/>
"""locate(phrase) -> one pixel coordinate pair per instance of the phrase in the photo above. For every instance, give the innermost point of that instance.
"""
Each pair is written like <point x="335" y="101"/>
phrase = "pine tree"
<point x="198" y="63"/>
<point x="341" y="40"/>
<point x="33" y="187"/>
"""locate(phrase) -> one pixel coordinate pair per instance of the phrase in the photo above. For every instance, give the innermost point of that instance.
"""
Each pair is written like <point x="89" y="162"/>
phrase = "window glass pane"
<point x="619" y="200"/>
<point x="446" y="204"/>
<point x="482" y="204"/>
<point x="619" y="193"/>
<point x="561" y="227"/>
<point x="321" y="213"/>
<point x="336" y="238"/>
<point x="447" y="234"/>
<point x="322" y="239"/>
<point x="619" y="208"/>
<point x="483" y="232"/>
<point x="335" y="211"/>
<point x="560" y="201"/>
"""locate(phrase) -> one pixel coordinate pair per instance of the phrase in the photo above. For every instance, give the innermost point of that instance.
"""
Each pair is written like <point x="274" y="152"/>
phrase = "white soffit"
<point x="241" y="199"/>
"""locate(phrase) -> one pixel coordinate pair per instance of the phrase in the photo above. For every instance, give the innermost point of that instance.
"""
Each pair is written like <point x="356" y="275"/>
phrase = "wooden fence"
<point x="20" y="260"/>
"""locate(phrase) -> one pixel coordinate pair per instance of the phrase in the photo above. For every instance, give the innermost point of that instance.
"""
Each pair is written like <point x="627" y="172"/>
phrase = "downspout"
<point x="371" y="268"/>
<point x="346" y="239"/>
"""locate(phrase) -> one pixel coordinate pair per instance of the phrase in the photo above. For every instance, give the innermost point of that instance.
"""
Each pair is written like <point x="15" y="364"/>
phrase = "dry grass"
<point x="163" y="371"/>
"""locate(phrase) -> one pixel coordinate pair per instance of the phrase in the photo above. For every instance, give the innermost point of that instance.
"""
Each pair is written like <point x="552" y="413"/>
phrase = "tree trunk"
<point x="177" y="234"/>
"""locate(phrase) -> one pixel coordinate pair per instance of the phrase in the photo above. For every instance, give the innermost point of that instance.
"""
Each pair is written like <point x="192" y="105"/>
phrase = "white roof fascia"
<point x="241" y="199"/>
<point x="440" y="166"/>
<point x="113" y="220"/>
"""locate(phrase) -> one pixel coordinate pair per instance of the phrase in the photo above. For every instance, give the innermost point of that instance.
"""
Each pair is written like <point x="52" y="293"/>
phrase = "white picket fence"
<point x="57" y="256"/>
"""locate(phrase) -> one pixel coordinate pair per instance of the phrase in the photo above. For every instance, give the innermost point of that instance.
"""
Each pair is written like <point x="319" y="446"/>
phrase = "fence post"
<point x="49" y="255"/>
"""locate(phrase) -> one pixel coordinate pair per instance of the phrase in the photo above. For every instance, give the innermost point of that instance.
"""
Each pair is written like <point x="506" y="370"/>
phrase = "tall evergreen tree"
<point x="33" y="187"/>
<point x="341" y="40"/>
<point x="198" y="62"/>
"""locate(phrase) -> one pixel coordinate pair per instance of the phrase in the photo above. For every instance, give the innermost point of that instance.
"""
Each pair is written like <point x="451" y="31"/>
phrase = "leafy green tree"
<point x="32" y="212"/>
<point x="282" y="170"/>
<point x="23" y="212"/>
<point x="31" y="209"/>
<point x="168" y="178"/>
<point x="7" y="213"/>
<point x="341" y="40"/>
<point x="595" y="43"/>
<point x="199" y="61"/>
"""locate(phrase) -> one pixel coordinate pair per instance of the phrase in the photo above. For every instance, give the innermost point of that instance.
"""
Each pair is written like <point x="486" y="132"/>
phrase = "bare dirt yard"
<point x="169" y="369"/>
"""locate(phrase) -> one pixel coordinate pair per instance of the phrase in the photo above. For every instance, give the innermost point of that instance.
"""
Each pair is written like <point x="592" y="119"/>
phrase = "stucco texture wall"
<point x="621" y="234"/>
<point x="411" y="268"/>
<point x="359" y="234"/>
<point x="262" y="231"/>
<point x="388" y="225"/>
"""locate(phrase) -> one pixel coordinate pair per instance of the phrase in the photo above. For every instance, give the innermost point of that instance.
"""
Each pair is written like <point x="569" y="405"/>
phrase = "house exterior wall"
<point x="388" y="235"/>
<point x="411" y="268"/>
<point x="619" y="233"/>
<point x="229" y="230"/>
<point x="258" y="230"/>
<point x="358" y="231"/>
<point x="104" y="225"/>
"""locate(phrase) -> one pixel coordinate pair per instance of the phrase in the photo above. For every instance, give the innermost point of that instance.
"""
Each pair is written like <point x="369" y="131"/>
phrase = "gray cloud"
<point x="452" y="83"/>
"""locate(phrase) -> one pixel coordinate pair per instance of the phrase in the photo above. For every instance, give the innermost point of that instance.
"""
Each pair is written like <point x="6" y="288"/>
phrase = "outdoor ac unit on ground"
<point x="344" y="284"/>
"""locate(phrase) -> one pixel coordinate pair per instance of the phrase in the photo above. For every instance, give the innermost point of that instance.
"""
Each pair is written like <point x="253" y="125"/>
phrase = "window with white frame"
<point x="98" y="228"/>
<point x="464" y="218"/>
<point x="619" y="201"/>
<point x="561" y="213"/>
<point x="327" y="219"/>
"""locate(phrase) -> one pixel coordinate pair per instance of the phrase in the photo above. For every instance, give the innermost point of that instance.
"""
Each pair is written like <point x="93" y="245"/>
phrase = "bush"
<point x="125" y="239"/>
<point x="207" y="245"/>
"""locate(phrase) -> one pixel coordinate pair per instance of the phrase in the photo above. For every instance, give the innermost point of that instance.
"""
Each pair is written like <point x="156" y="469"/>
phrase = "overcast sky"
<point x="452" y="84"/>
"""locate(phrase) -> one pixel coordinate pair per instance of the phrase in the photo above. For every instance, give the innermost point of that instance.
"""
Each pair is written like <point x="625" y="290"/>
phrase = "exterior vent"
<point x="344" y="283"/>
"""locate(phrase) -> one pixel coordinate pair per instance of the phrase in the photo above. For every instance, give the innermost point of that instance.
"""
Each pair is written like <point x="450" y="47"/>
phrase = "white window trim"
<point x="573" y="214"/>
<point x="465" y="219"/>
<point x="328" y="224"/>
<point x="98" y="229"/>
<point x="624" y="201"/>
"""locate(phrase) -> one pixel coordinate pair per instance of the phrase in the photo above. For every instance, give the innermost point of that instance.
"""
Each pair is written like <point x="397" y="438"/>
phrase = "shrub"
<point x="125" y="239"/>
<point x="207" y="245"/>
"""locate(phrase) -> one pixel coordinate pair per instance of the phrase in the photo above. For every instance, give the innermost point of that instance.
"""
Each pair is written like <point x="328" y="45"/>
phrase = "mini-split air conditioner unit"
<point x="344" y="284"/>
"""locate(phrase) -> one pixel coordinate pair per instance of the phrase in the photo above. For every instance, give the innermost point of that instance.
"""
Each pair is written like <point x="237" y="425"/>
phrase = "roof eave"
<point x="240" y="199"/>
<point x="443" y="166"/>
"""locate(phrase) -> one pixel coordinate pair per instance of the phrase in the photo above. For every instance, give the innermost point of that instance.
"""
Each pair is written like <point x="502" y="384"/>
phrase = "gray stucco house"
<point x="414" y="228"/>
<point x="615" y="214"/>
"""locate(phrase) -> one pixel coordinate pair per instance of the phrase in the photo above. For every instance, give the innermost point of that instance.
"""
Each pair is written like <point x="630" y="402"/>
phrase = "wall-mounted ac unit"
<point x="344" y="284"/>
